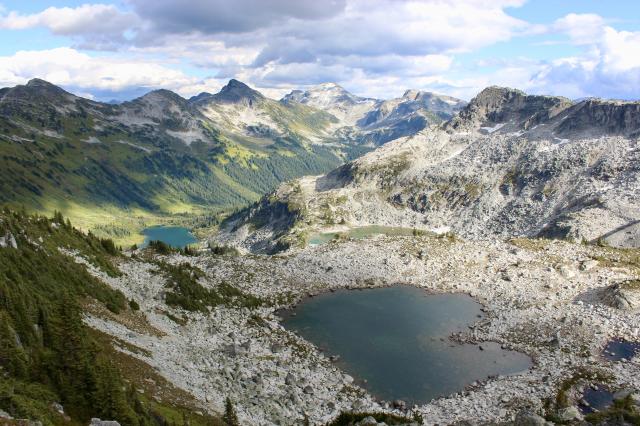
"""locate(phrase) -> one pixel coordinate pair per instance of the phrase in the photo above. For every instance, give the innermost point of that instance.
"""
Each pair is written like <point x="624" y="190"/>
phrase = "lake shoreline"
<point x="290" y="319"/>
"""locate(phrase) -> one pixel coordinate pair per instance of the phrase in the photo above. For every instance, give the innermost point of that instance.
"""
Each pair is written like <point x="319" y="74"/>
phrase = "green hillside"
<point x="54" y="368"/>
<point x="118" y="168"/>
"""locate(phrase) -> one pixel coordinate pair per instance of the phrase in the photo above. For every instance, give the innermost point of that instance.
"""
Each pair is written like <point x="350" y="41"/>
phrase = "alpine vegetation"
<point x="338" y="213"/>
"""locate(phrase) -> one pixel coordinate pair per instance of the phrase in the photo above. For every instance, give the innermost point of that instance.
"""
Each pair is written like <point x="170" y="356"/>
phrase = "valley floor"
<point x="541" y="297"/>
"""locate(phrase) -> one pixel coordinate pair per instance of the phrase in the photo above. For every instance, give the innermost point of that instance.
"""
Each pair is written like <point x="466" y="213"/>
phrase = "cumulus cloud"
<point x="95" y="24"/>
<point x="584" y="28"/>
<point x="372" y="47"/>
<point x="307" y="40"/>
<point x="223" y="16"/>
<point x="609" y="66"/>
<point x="86" y="74"/>
<point x="88" y="18"/>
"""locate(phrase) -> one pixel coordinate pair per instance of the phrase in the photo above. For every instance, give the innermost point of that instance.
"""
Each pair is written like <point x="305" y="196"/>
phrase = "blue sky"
<point x="121" y="49"/>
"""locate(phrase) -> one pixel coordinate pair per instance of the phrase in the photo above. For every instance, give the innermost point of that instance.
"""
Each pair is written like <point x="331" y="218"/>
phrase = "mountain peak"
<point x="40" y="90"/>
<point x="236" y="91"/>
<point x="328" y="86"/>
<point x="162" y="96"/>
<point x="44" y="86"/>
<point x="497" y="104"/>
<point x="324" y="95"/>
<point x="38" y="82"/>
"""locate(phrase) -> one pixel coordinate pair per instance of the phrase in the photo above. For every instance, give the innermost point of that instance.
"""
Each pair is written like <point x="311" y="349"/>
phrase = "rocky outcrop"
<point x="236" y="91"/>
<point x="8" y="241"/>
<point x="516" y="109"/>
<point x="624" y="295"/>
<point x="98" y="422"/>
<point x="597" y="117"/>
<point x="375" y="122"/>
<point x="509" y="165"/>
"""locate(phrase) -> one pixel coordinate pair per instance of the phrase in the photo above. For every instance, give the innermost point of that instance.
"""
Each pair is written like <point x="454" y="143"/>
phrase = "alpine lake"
<point x="395" y="341"/>
<point x="175" y="236"/>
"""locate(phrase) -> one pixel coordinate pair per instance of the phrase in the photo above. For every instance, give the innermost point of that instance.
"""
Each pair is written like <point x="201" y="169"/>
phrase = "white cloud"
<point x="586" y="28"/>
<point x="305" y="41"/>
<point x="372" y="47"/>
<point x="609" y="66"/>
<point x="86" y="19"/>
<point x="70" y="68"/>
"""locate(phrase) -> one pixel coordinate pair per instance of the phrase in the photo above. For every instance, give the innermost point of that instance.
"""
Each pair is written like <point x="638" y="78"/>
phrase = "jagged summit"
<point x="38" y="82"/>
<point x="37" y="92"/>
<point x="163" y="95"/>
<point x="325" y="95"/>
<point x="199" y="97"/>
<point x="509" y="108"/>
<point x="236" y="91"/>
<point x="597" y="117"/>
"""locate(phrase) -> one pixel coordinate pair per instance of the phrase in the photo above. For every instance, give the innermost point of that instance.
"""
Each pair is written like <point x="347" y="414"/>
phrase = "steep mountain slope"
<point x="156" y="155"/>
<point x="55" y="369"/>
<point x="374" y="122"/>
<point x="509" y="164"/>
<point x="333" y="98"/>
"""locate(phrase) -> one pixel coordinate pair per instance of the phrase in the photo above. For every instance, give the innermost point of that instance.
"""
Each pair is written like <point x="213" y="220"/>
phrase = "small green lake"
<point x="397" y="340"/>
<point x="175" y="236"/>
<point x="359" y="233"/>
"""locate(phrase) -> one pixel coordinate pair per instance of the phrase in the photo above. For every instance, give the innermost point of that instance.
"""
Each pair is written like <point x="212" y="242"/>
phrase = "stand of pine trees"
<point x="47" y="354"/>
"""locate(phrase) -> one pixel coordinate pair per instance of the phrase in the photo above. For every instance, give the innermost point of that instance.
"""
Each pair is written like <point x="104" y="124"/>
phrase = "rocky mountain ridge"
<point x="508" y="165"/>
<point x="161" y="154"/>
<point x="157" y="155"/>
<point x="373" y="121"/>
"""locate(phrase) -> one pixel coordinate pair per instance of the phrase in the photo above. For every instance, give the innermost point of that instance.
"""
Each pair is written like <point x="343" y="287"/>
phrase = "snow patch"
<point x="93" y="140"/>
<point x="494" y="128"/>
<point x="142" y="148"/>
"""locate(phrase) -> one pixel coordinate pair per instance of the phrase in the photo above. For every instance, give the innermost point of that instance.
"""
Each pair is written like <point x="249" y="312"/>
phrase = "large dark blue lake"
<point x="175" y="236"/>
<point x="397" y="339"/>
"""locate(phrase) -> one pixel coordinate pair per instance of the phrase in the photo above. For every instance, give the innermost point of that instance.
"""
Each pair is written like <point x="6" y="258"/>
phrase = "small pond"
<point x="597" y="398"/>
<point x="395" y="340"/>
<point x="618" y="349"/>
<point x="175" y="236"/>
<point x="359" y="233"/>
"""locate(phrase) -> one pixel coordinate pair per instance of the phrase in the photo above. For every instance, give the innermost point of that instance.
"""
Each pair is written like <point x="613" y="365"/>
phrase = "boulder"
<point x="97" y="422"/>
<point x="624" y="295"/>
<point x="8" y="241"/>
<point x="623" y="394"/>
<point x="528" y="418"/>
<point x="367" y="421"/>
<point x="399" y="404"/>
<point x="289" y="380"/>
<point x="569" y="413"/>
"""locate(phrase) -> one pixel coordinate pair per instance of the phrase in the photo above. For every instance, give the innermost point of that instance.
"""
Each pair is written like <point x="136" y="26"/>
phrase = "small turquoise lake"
<point x="175" y="236"/>
<point x="395" y="340"/>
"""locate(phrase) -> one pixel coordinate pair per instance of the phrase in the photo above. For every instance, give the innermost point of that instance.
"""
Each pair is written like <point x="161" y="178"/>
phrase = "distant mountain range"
<point x="508" y="165"/>
<point x="161" y="154"/>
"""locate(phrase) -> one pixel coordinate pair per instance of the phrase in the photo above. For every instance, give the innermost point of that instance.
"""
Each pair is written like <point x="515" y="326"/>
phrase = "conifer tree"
<point x="230" y="417"/>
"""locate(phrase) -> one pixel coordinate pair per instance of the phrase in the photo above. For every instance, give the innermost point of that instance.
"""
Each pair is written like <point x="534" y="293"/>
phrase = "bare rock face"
<point x="508" y="165"/>
<point x="98" y="422"/>
<point x="8" y="241"/>
<point x="624" y="295"/>
<point x="596" y="117"/>
<point x="501" y="105"/>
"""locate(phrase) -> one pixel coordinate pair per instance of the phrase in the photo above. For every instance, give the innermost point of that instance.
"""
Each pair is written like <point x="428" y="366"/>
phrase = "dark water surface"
<point x="175" y="236"/>
<point x="618" y="349"/>
<point x="597" y="399"/>
<point x="397" y="339"/>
